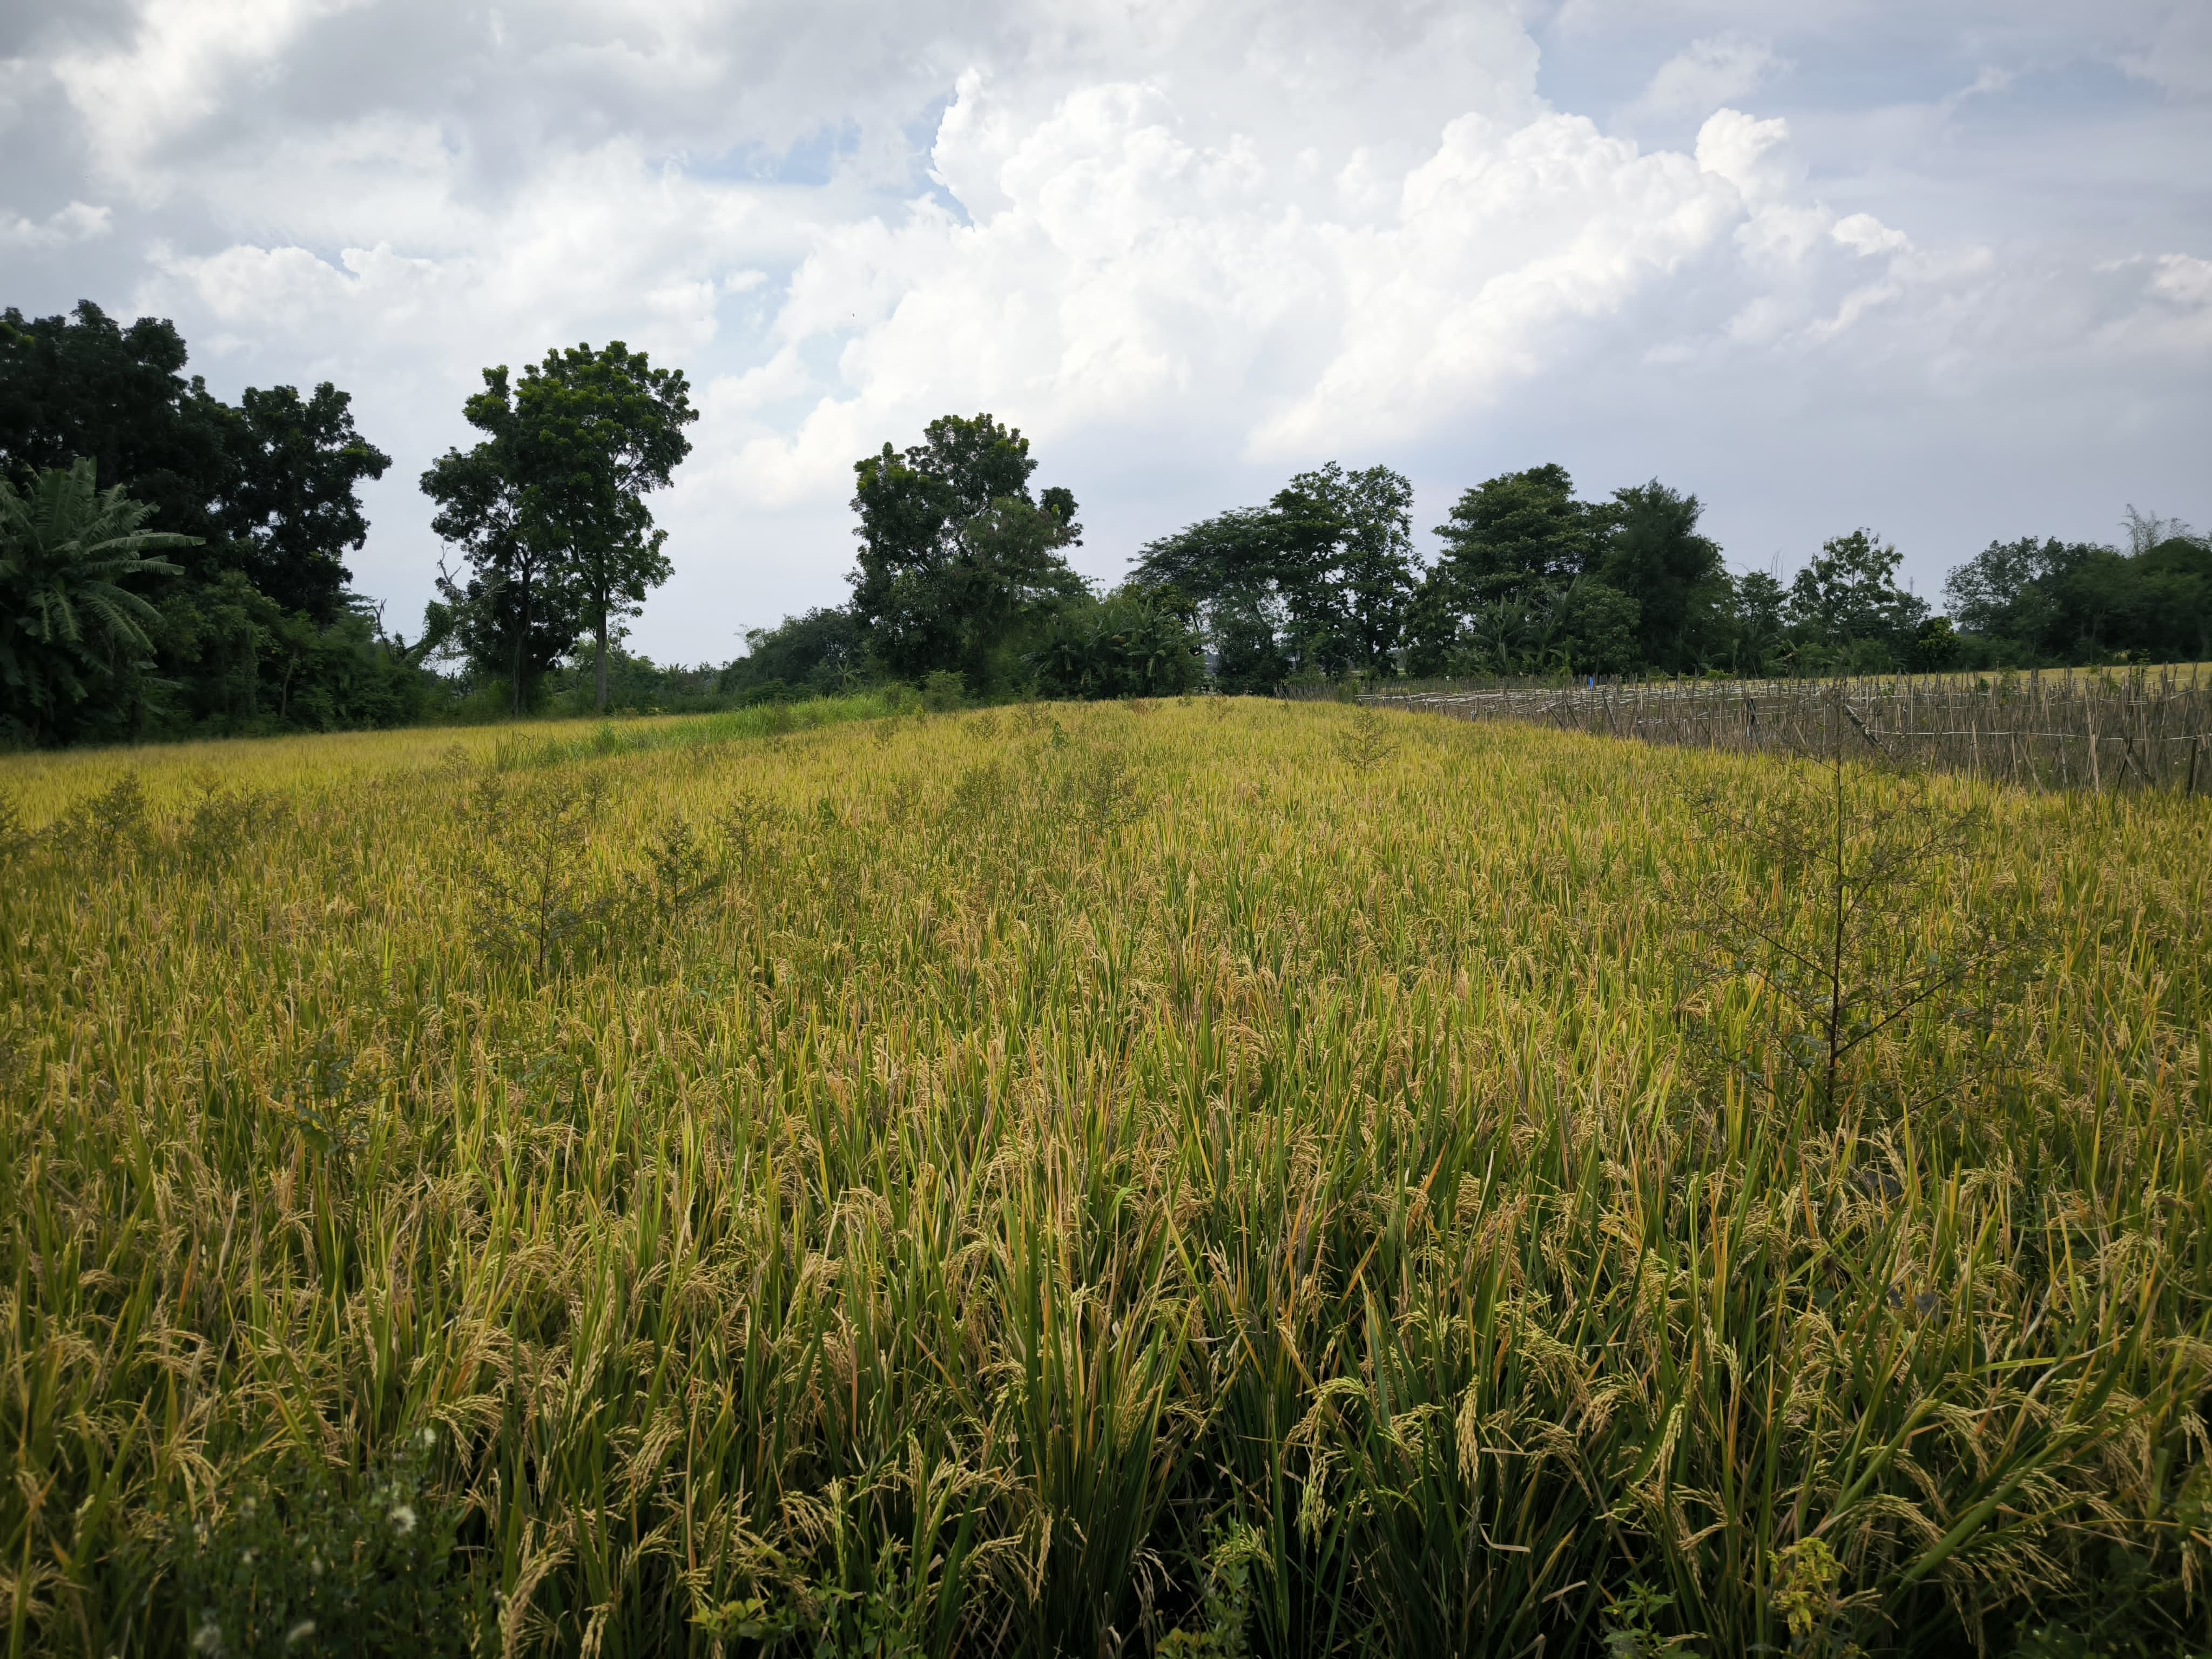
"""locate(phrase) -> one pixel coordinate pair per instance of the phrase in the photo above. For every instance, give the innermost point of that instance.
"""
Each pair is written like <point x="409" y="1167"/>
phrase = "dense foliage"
<point x="249" y="624"/>
<point x="1316" y="583"/>
<point x="1210" y="1179"/>
<point x="253" y="626"/>
<point x="547" y="510"/>
<point x="958" y="558"/>
<point x="73" y="630"/>
<point x="2026" y="602"/>
<point x="1530" y="580"/>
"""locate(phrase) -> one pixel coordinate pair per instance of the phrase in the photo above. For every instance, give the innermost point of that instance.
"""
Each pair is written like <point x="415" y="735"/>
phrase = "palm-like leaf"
<point x="66" y="619"/>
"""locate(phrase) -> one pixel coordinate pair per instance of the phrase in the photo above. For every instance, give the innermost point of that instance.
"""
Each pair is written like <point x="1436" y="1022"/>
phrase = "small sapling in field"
<point x="1366" y="742"/>
<point x="680" y="873"/>
<point x="535" y="900"/>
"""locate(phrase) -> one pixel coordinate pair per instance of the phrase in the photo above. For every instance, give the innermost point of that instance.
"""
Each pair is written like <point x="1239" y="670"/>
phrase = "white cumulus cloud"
<point x="1721" y="68"/>
<point x="1188" y="244"/>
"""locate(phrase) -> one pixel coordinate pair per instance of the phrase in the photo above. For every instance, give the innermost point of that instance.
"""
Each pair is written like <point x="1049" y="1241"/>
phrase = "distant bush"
<point x="1126" y="645"/>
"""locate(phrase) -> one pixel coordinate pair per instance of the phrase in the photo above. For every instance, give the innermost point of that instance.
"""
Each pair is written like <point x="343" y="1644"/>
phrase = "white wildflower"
<point x="208" y="1638"/>
<point x="298" y="1632"/>
<point x="402" y="1518"/>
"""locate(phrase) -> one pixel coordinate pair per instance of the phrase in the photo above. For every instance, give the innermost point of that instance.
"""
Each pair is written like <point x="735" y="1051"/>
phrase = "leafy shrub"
<point x="113" y="825"/>
<point x="1124" y="646"/>
<point x="302" y="1566"/>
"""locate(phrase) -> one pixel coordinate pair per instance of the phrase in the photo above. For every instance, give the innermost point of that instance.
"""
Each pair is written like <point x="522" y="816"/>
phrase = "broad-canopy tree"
<point x="1518" y="532"/>
<point x="71" y="626"/>
<point x="266" y="487"/>
<point x="1846" y="601"/>
<point x="1532" y="580"/>
<point x="958" y="558"/>
<point x="259" y="623"/>
<point x="1652" y="553"/>
<point x="289" y="507"/>
<point x="84" y="387"/>
<point x="1512" y="545"/>
<point x="2029" y="601"/>
<point x="548" y="508"/>
<point x="601" y="430"/>
<point x="1318" y="582"/>
<point x="514" y="612"/>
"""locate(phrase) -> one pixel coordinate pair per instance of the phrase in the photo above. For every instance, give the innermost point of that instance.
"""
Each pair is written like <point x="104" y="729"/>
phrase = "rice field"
<point x="1214" y="1178"/>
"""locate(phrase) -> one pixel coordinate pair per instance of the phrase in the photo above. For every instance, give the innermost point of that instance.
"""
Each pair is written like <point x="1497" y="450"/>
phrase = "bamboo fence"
<point x="2146" y="728"/>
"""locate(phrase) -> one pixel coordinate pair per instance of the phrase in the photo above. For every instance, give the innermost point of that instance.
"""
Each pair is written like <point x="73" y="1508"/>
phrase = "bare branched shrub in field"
<point x="1845" y="927"/>
<point x="1103" y="789"/>
<point x="748" y="822"/>
<point x="15" y="835"/>
<point x="115" y="825"/>
<point x="223" y="821"/>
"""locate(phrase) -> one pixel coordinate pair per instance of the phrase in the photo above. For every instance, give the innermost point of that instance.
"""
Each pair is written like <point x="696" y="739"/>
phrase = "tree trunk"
<point x="602" y="658"/>
<point x="521" y="642"/>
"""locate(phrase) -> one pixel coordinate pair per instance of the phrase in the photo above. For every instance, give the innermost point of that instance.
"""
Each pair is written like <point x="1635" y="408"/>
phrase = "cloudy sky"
<point x="1943" y="268"/>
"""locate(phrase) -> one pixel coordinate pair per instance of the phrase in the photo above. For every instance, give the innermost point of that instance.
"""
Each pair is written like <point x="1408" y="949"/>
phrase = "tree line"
<point x="961" y="571"/>
<point x="172" y="565"/>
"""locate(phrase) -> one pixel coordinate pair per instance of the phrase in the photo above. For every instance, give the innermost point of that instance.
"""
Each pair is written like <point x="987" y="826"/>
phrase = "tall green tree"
<point x="72" y="626"/>
<point x="267" y="488"/>
<point x="958" y="558"/>
<point x="1760" y="632"/>
<point x="1846" y="601"/>
<point x="2004" y="591"/>
<point x="1349" y="572"/>
<point x="1512" y="545"/>
<point x="597" y="430"/>
<point x="1517" y="532"/>
<point x="1326" y="572"/>
<point x="289" y="507"/>
<point x="514" y="611"/>
<point x="1652" y="553"/>
<point x="2030" y="601"/>
<point x="548" y="508"/>
<point x="86" y="387"/>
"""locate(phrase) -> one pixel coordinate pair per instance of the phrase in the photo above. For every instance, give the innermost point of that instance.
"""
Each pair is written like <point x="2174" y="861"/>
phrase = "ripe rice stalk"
<point x="1292" y="1181"/>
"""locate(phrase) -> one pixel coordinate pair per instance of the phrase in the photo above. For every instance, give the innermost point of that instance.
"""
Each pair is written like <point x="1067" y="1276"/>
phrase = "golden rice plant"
<point x="1227" y="1178"/>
